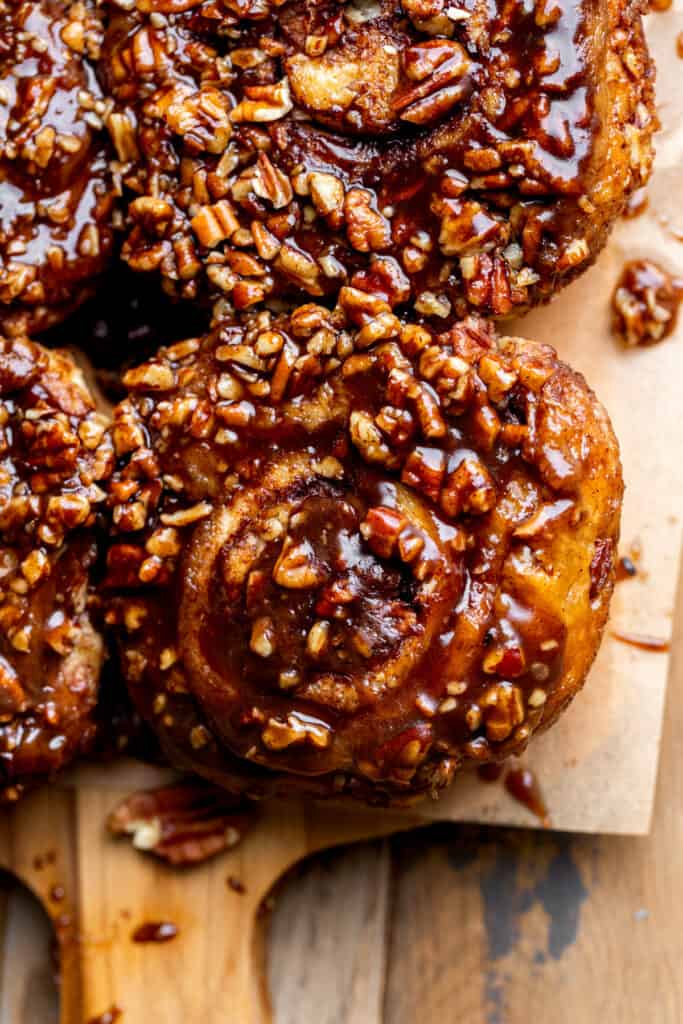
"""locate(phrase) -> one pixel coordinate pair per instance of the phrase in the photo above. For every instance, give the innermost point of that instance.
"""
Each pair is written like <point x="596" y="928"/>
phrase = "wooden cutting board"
<point x="98" y="890"/>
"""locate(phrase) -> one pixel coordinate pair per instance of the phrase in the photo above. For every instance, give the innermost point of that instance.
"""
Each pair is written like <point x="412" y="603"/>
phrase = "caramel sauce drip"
<point x="642" y="640"/>
<point x="155" y="931"/>
<point x="110" y="1016"/>
<point x="523" y="786"/>
<point x="57" y="893"/>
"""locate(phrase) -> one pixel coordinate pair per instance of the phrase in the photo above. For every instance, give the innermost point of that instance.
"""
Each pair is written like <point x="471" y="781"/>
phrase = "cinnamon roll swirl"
<point x="350" y="555"/>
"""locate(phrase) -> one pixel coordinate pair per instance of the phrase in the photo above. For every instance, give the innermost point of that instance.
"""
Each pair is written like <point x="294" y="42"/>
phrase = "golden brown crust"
<point x="352" y="556"/>
<point x="55" y="211"/>
<point x="272" y="147"/>
<point x="55" y="456"/>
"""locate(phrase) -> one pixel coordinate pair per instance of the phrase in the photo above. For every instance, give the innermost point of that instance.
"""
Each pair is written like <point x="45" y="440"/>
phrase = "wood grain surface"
<point x="454" y="923"/>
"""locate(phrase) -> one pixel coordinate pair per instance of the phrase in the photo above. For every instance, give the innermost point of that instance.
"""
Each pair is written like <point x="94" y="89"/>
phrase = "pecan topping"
<point x="56" y="457"/>
<point x="349" y="548"/>
<point x="57" y="201"/>
<point x="479" y="151"/>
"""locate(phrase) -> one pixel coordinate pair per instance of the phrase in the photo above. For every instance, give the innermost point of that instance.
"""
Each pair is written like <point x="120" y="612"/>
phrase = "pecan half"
<point x="183" y="824"/>
<point x="437" y="67"/>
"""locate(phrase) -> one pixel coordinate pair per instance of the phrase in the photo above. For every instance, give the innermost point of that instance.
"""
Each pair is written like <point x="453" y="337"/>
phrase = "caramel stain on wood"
<point x="109" y="1016"/>
<point x="155" y="931"/>
<point x="504" y="902"/>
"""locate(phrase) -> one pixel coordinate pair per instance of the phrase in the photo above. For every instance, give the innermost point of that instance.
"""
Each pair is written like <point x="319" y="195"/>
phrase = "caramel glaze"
<point x="343" y="552"/>
<point x="274" y="147"/>
<point x="55" y="456"/>
<point x="55" y="213"/>
<point x="124" y="323"/>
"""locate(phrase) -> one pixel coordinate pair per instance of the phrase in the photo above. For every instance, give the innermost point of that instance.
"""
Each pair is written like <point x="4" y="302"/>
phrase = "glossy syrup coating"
<point x="55" y="192"/>
<point x="54" y="456"/>
<point x="484" y="146"/>
<point x="349" y="554"/>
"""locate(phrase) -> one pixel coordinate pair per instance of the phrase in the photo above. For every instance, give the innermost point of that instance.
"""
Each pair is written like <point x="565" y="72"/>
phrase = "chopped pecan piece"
<point x="367" y="229"/>
<point x="503" y="706"/>
<point x="381" y="529"/>
<point x="469" y="488"/>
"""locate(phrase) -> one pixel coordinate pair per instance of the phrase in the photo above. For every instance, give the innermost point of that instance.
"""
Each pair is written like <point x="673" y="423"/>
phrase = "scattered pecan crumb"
<point x="645" y="303"/>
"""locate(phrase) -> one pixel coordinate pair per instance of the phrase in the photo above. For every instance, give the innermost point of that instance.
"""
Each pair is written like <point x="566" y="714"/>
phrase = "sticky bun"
<point x="55" y="195"/>
<point x="351" y="554"/>
<point x="55" y="455"/>
<point x="272" y="147"/>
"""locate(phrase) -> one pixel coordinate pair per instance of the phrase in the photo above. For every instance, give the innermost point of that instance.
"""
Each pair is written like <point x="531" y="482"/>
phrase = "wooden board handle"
<point x="99" y="890"/>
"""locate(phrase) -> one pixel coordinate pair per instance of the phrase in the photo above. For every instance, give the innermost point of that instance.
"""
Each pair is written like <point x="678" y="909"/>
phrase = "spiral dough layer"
<point x="353" y="554"/>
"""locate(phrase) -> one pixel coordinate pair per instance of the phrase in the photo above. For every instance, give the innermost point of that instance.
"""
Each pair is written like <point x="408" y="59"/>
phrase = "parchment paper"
<point x="598" y="765"/>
